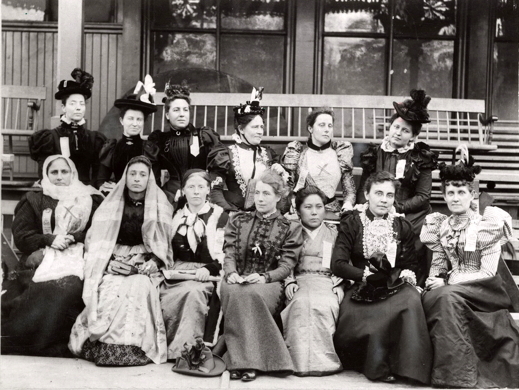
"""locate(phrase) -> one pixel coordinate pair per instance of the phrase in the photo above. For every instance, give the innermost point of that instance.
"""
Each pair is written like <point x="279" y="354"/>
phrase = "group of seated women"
<point x="234" y="250"/>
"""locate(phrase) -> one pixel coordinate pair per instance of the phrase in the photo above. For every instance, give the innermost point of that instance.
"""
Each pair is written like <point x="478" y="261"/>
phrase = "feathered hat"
<point x="251" y="107"/>
<point x="142" y="97"/>
<point x="462" y="170"/>
<point x="82" y="83"/>
<point x="176" y="91"/>
<point x="414" y="109"/>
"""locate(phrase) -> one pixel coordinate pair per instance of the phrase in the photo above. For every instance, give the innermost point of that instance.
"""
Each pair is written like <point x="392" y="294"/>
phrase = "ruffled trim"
<point x="424" y="157"/>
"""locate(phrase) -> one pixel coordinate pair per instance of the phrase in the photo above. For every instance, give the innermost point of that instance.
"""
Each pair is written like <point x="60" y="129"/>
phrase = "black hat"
<point x="176" y="91"/>
<point x="251" y="107"/>
<point x="82" y="84"/>
<point x="414" y="109"/>
<point x="141" y="99"/>
<point x="463" y="170"/>
<point x="198" y="360"/>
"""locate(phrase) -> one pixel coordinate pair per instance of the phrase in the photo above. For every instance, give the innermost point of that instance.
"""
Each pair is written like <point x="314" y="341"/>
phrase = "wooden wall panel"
<point x="29" y="58"/>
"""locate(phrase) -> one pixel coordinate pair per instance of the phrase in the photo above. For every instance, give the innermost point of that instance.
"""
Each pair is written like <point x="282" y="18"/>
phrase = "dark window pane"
<point x="507" y="19"/>
<point x="183" y="50"/>
<point x="356" y="16"/>
<point x="184" y="13"/>
<point x="253" y="14"/>
<point x="258" y="60"/>
<point x="506" y="58"/>
<point x="354" y="66"/>
<point x="425" y="17"/>
<point x="423" y="64"/>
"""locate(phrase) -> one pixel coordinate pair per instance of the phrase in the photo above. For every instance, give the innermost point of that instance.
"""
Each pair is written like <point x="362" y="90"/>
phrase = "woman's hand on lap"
<point x="202" y="275"/>
<point x="432" y="283"/>
<point x="60" y="242"/>
<point x="290" y="290"/>
<point x="234" y="278"/>
<point x="149" y="267"/>
<point x="255" y="278"/>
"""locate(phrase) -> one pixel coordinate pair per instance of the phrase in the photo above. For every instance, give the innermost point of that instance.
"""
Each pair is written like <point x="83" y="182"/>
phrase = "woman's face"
<point x="381" y="197"/>
<point x="196" y="190"/>
<point x="74" y="108"/>
<point x="133" y="122"/>
<point x="253" y="131"/>
<point x="59" y="172"/>
<point x="137" y="177"/>
<point x="458" y="198"/>
<point x="265" y="198"/>
<point x="312" y="211"/>
<point x="178" y="114"/>
<point x="322" y="130"/>
<point x="400" y="133"/>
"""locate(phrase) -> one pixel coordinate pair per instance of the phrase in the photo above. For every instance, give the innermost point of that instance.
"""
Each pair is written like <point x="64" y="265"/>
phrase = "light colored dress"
<point x="310" y="317"/>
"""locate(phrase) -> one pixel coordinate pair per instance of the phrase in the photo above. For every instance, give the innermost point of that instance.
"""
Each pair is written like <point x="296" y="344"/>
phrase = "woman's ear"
<point x="63" y="108"/>
<point x="121" y="120"/>
<point x="310" y="129"/>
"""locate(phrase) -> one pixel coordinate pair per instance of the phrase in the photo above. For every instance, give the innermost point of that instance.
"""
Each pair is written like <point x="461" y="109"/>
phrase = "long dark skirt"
<point x="385" y="337"/>
<point x="475" y="340"/>
<point x="251" y="333"/>
<point x="42" y="317"/>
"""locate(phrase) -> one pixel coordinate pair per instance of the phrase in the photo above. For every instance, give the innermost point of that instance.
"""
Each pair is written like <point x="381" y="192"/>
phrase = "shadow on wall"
<point x="198" y="79"/>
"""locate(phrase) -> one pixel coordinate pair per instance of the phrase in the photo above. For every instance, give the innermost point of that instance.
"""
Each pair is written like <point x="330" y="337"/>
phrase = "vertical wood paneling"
<point x="29" y="58"/>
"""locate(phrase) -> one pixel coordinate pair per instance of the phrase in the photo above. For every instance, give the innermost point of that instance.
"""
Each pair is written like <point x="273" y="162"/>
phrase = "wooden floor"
<point x="24" y="372"/>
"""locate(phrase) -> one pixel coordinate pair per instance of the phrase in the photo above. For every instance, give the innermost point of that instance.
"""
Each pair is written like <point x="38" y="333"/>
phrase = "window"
<point x="388" y="47"/>
<point x="505" y="60"/>
<point x="96" y="11"/>
<point x="244" y="39"/>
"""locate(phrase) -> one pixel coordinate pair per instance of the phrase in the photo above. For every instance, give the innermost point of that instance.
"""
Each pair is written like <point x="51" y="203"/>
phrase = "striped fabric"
<point x="447" y="238"/>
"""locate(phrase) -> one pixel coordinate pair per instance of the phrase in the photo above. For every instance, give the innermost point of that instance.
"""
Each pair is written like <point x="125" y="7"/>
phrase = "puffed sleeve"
<point x="430" y="236"/>
<point x="80" y="236"/>
<point x="27" y="230"/>
<point x="229" y="246"/>
<point x="368" y="162"/>
<point x="290" y="159"/>
<point x="209" y="137"/>
<point x="344" y="152"/>
<point x="424" y="161"/>
<point x="341" y="256"/>
<point x="151" y="150"/>
<point x="105" y="159"/>
<point x="218" y="165"/>
<point x="41" y="146"/>
<point x="290" y="250"/>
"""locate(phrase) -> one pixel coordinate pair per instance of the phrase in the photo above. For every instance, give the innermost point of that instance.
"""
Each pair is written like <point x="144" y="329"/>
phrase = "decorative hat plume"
<point x="414" y="109"/>
<point x="461" y="170"/>
<point x="252" y="106"/>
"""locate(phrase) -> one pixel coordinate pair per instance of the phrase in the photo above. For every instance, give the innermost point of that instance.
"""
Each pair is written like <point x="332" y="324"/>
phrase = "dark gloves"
<point x="380" y="262"/>
<point x="378" y="279"/>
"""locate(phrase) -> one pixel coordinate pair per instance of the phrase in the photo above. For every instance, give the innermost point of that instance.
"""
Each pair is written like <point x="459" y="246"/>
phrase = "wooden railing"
<point x="357" y="118"/>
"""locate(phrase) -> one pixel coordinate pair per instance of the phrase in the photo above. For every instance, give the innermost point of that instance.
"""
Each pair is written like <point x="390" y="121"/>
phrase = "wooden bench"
<point x="357" y="118"/>
<point x="21" y="105"/>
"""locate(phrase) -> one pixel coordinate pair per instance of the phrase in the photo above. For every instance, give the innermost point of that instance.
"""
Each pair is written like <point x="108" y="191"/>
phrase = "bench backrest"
<point x="15" y="99"/>
<point x="357" y="117"/>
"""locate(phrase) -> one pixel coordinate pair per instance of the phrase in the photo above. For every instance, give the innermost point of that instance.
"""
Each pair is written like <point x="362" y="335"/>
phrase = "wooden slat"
<point x="23" y="92"/>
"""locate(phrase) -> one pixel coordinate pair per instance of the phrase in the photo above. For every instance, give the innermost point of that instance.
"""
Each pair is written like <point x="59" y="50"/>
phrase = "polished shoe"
<point x="235" y="374"/>
<point x="248" y="376"/>
<point x="389" y="379"/>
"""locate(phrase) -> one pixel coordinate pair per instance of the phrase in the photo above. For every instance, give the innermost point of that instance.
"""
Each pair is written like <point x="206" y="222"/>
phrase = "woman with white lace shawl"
<point x="129" y="241"/>
<point x="49" y="228"/>
<point x="475" y="340"/>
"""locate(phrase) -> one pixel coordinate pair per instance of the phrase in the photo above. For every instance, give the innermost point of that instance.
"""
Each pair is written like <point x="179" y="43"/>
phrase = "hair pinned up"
<point x="176" y="91"/>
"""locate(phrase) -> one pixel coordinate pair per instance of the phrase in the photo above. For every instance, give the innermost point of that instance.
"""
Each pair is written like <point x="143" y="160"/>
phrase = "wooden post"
<point x="70" y="44"/>
<point x="131" y="44"/>
<point x="304" y="67"/>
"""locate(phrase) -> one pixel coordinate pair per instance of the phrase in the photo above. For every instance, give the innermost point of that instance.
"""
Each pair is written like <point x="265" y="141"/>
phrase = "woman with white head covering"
<point x="129" y="241"/>
<point x="49" y="228"/>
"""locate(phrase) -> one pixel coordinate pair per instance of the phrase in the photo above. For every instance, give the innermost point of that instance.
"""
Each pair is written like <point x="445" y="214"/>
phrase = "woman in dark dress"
<point x="49" y="227"/>
<point x="475" y="340"/>
<point x="235" y="168"/>
<point x="181" y="148"/>
<point x="134" y="111"/>
<point x="261" y="249"/>
<point x="70" y="138"/>
<point x="198" y="232"/>
<point x="130" y="240"/>
<point x="410" y="161"/>
<point x="381" y="330"/>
